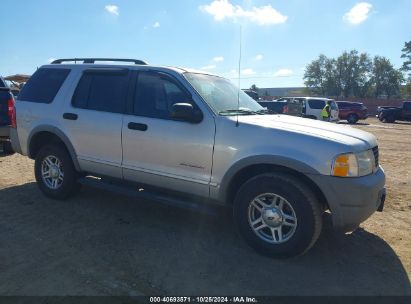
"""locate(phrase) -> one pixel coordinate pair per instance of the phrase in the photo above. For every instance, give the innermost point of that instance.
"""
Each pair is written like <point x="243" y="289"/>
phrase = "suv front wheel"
<point x="278" y="215"/>
<point x="55" y="172"/>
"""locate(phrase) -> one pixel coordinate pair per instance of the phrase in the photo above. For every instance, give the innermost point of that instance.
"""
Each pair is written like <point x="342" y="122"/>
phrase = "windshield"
<point x="222" y="95"/>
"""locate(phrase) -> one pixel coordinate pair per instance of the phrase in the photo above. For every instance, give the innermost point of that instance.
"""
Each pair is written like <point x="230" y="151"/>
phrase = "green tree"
<point x="387" y="80"/>
<point x="353" y="74"/>
<point x="348" y="75"/>
<point x="406" y="90"/>
<point x="315" y="75"/>
<point x="254" y="88"/>
<point x="406" y="54"/>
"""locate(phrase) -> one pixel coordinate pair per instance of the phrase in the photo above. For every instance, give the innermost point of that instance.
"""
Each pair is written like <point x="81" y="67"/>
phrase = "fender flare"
<point x="60" y="134"/>
<point x="276" y="160"/>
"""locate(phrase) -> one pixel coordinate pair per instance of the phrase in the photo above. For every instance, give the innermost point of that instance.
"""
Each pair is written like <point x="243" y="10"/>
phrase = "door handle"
<point x="70" y="116"/>
<point x="137" y="126"/>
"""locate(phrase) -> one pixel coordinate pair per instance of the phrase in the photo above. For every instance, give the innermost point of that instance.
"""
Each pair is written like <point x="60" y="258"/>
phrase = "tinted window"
<point x="276" y="107"/>
<point x="407" y="106"/>
<point x="342" y="105"/>
<point x="252" y="94"/>
<point x="43" y="86"/>
<point x="2" y="83"/>
<point x="156" y="93"/>
<point x="316" y="104"/>
<point x="102" y="91"/>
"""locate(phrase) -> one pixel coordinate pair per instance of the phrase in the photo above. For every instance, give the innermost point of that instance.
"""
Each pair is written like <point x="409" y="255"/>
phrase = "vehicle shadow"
<point x="407" y="123"/>
<point x="99" y="243"/>
<point x="356" y="124"/>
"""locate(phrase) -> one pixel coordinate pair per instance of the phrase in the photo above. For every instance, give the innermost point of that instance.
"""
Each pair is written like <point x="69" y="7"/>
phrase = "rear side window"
<point x="104" y="91"/>
<point x="43" y="86"/>
<point x="2" y="83"/>
<point x="316" y="104"/>
<point x="342" y="105"/>
<point x="407" y="106"/>
<point x="156" y="94"/>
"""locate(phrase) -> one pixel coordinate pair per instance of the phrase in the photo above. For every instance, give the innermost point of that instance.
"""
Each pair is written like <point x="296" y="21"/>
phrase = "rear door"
<point x="314" y="108"/>
<point x="334" y="111"/>
<point x="93" y="119"/>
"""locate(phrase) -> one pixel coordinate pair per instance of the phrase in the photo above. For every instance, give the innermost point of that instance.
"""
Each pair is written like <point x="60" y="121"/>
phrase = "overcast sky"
<point x="279" y="37"/>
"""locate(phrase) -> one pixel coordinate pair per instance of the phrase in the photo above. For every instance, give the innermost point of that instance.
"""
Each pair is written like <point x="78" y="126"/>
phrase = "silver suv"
<point x="189" y="137"/>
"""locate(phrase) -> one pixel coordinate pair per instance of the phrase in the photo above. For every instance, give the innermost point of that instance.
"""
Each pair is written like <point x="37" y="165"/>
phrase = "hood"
<point x="357" y="139"/>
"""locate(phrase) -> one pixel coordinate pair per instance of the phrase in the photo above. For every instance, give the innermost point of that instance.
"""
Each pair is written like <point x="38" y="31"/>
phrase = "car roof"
<point x="307" y="97"/>
<point x="82" y="66"/>
<point x="350" y="102"/>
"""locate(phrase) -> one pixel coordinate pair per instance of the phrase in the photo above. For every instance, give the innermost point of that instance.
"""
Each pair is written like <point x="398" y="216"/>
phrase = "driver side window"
<point x="155" y="95"/>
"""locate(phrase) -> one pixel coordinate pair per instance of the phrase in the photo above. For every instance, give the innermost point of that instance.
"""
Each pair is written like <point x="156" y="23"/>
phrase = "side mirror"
<point x="186" y="112"/>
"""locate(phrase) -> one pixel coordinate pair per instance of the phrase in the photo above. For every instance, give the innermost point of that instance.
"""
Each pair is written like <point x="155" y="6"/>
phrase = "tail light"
<point x="12" y="112"/>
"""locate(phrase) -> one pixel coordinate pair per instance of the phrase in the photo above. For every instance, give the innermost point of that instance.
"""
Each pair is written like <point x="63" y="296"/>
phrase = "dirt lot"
<point x="100" y="243"/>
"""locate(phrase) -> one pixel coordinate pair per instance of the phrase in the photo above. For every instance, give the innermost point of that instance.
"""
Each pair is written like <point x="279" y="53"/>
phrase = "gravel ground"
<point x="99" y="243"/>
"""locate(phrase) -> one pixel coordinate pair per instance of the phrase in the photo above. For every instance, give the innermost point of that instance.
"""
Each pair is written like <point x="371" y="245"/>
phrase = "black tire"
<point x="69" y="185"/>
<point x="7" y="148"/>
<point x="387" y="119"/>
<point x="352" y="118"/>
<point x="391" y="119"/>
<point x="307" y="209"/>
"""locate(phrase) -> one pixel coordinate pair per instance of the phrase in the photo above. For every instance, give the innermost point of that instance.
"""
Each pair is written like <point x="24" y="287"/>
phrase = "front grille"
<point x="376" y="156"/>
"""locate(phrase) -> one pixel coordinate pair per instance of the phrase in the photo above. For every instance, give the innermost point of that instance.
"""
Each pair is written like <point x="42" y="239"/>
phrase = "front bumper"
<point x="352" y="200"/>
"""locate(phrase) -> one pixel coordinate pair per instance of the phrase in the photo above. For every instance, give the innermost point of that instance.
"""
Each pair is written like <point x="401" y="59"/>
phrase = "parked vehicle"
<point x="312" y="107"/>
<point x="391" y="114"/>
<point x="352" y="111"/>
<point x="192" y="139"/>
<point x="6" y="105"/>
<point x="289" y="106"/>
<point x="252" y="94"/>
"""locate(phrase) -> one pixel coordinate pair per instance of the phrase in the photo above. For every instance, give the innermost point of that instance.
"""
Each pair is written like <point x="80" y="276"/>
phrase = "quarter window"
<point x="43" y="86"/>
<point x="316" y="104"/>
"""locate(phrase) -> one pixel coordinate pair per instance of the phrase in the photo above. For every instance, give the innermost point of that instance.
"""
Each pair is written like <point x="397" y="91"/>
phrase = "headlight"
<point x="353" y="164"/>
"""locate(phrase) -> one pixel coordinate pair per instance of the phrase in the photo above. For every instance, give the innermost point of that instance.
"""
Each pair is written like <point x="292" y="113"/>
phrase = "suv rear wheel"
<point x="352" y="118"/>
<point x="278" y="215"/>
<point x="55" y="172"/>
<point x="387" y="119"/>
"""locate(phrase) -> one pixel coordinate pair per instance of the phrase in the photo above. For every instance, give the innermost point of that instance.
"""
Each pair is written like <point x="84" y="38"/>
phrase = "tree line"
<point x="355" y="74"/>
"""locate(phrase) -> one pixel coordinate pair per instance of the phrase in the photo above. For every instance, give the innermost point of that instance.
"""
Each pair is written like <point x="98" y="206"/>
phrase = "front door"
<point x="159" y="150"/>
<point x="406" y="110"/>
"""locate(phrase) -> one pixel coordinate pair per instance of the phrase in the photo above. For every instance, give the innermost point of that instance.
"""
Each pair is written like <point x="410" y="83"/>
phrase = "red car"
<point x="352" y="111"/>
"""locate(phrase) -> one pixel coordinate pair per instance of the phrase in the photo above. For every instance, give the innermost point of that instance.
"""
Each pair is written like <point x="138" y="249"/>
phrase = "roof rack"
<point x="93" y="60"/>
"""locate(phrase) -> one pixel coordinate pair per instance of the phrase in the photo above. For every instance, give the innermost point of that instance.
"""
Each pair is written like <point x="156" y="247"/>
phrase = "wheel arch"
<point x="42" y="135"/>
<point x="243" y="170"/>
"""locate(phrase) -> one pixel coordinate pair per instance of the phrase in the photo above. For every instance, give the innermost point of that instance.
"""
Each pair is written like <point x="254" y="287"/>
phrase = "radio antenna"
<point x="239" y="75"/>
